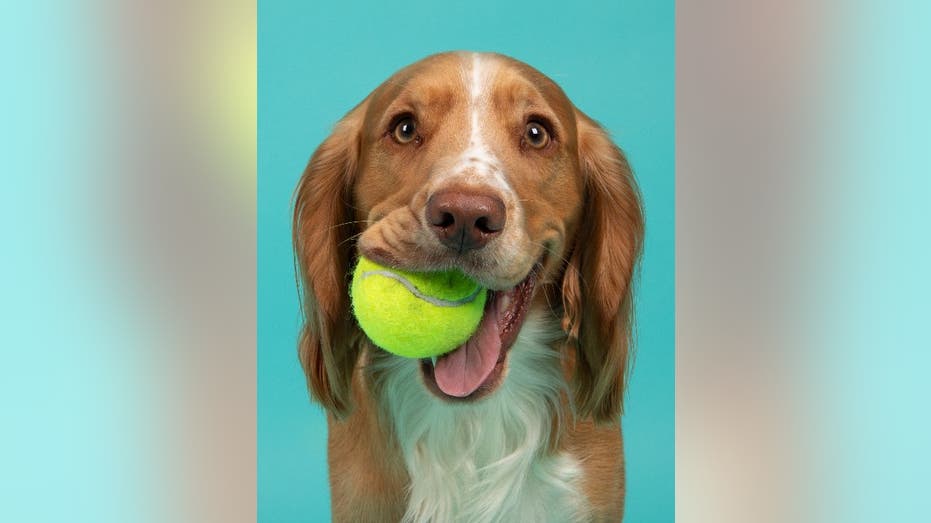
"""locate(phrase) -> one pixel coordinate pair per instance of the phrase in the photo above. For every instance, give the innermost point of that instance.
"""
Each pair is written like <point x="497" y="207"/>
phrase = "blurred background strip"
<point x="802" y="263"/>
<point x="128" y="261"/>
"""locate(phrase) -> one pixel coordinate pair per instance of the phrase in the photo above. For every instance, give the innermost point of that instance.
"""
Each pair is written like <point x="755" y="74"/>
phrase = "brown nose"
<point x="464" y="221"/>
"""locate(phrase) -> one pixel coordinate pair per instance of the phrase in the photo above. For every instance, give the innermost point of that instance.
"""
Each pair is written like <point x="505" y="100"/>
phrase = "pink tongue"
<point x="463" y="370"/>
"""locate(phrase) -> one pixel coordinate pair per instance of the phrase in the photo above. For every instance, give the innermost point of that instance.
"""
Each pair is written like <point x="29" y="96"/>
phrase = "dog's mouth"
<point x="476" y="368"/>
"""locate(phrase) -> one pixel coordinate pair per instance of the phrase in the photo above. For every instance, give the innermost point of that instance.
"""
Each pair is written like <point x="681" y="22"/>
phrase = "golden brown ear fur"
<point x="322" y="233"/>
<point x="597" y="286"/>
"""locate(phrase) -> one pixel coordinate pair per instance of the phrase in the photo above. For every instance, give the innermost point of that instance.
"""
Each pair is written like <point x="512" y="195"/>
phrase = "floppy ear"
<point x="597" y="285"/>
<point x="322" y="233"/>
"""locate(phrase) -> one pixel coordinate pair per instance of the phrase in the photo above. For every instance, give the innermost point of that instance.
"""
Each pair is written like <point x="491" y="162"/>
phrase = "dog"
<point x="479" y="162"/>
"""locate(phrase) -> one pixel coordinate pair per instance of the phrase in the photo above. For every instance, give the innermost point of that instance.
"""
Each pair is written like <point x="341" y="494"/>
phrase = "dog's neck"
<point x="491" y="459"/>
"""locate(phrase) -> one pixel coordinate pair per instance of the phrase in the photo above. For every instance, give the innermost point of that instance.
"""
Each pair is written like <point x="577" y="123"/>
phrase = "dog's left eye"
<point x="405" y="131"/>
<point x="536" y="136"/>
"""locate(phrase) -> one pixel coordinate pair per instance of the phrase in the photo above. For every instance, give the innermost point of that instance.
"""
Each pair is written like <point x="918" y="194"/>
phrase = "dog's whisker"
<point x="352" y="238"/>
<point x="353" y="222"/>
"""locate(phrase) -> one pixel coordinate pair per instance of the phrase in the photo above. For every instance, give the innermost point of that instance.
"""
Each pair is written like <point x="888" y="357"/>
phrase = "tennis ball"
<point x="415" y="314"/>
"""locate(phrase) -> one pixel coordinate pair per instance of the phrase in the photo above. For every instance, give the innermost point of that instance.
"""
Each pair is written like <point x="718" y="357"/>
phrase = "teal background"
<point x="316" y="60"/>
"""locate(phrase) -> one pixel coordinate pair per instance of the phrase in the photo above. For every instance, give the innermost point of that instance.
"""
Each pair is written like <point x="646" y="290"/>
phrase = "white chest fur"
<point x="488" y="461"/>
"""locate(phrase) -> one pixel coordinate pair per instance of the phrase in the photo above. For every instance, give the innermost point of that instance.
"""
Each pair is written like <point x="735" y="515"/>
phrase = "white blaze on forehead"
<point x="477" y="161"/>
<point x="478" y="101"/>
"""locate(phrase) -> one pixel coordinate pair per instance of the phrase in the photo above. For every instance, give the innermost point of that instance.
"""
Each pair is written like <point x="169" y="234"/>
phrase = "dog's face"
<point x="469" y="161"/>
<point x="481" y="163"/>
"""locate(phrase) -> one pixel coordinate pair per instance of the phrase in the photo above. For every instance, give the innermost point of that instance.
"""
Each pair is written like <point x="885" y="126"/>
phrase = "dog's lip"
<point x="516" y="313"/>
<point x="382" y="257"/>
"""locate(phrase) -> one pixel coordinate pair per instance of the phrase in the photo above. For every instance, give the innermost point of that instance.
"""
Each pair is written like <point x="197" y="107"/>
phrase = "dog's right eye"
<point x="405" y="131"/>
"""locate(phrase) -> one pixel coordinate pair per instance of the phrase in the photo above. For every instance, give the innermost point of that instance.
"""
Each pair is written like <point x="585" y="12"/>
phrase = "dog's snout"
<point x="465" y="221"/>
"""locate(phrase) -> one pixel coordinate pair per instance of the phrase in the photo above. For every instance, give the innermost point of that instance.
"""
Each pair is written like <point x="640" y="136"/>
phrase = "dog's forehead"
<point x="445" y="80"/>
<point x="433" y="80"/>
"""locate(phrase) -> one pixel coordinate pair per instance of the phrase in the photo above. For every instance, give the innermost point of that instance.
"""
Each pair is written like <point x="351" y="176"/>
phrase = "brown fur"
<point x="360" y="191"/>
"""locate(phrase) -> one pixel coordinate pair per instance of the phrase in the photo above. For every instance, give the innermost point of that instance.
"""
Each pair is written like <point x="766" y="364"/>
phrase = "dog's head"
<point x="480" y="162"/>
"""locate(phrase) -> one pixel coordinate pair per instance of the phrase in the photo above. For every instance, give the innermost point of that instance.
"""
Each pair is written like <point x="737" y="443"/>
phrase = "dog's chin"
<point x="505" y="311"/>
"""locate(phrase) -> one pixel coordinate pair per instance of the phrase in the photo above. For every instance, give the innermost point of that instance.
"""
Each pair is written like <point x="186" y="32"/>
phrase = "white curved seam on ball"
<point x="433" y="300"/>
